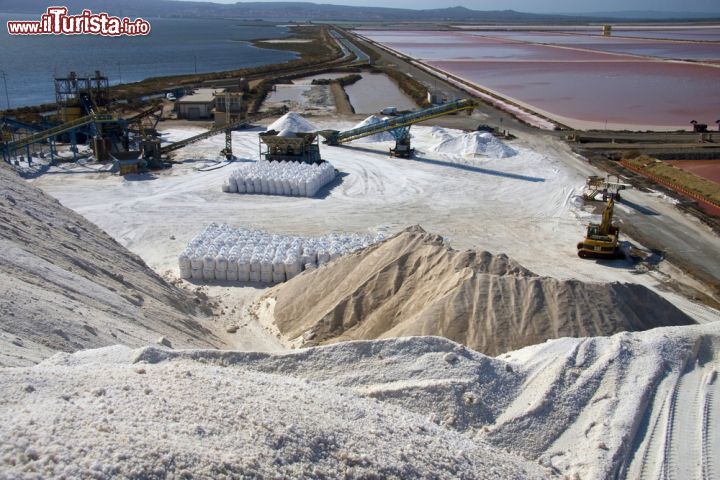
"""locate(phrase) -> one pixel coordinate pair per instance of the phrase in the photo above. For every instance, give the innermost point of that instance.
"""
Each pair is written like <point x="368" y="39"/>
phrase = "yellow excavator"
<point x="601" y="240"/>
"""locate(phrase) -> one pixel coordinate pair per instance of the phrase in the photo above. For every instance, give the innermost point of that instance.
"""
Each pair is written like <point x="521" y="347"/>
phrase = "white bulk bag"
<point x="209" y="261"/>
<point x="185" y="272"/>
<point x="221" y="263"/>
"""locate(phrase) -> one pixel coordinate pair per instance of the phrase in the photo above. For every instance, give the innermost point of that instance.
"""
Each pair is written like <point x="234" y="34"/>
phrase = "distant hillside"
<point x="287" y="11"/>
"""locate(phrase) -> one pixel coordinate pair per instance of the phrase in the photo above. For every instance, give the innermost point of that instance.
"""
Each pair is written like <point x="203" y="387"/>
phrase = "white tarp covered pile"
<point x="280" y="178"/>
<point x="471" y="144"/>
<point x="223" y="252"/>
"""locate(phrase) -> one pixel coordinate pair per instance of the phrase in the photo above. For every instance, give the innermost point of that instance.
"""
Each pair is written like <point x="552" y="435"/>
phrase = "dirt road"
<point x="342" y="103"/>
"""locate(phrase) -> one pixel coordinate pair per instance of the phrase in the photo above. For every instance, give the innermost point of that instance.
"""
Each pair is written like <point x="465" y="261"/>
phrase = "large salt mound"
<point x="634" y="405"/>
<point x="412" y="284"/>
<point x="115" y="413"/>
<point x="66" y="285"/>
<point x="378" y="137"/>
<point x="473" y="143"/>
<point x="292" y="122"/>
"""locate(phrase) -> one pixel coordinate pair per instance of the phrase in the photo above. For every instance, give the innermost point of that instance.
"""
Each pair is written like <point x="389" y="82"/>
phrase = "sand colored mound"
<point x="412" y="284"/>
<point x="66" y="285"/>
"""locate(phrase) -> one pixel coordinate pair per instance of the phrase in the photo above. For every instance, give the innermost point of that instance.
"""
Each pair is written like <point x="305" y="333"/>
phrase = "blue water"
<point x="174" y="46"/>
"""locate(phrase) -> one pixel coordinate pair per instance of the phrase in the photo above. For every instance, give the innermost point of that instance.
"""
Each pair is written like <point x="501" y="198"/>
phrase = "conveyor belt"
<point x="334" y="137"/>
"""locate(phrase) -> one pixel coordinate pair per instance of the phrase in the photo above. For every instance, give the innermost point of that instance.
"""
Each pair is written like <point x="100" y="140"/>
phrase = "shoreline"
<point x="297" y="42"/>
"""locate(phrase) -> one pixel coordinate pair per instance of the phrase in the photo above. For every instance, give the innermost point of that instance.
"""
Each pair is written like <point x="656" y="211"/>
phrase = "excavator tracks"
<point x="685" y="435"/>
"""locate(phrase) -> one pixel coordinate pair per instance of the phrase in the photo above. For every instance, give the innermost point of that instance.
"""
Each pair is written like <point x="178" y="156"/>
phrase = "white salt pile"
<point x="473" y="143"/>
<point x="280" y="178"/>
<point x="378" y="137"/>
<point x="120" y="413"/>
<point x="440" y="132"/>
<point x="222" y="252"/>
<point x="66" y="285"/>
<point x="634" y="405"/>
<point x="292" y="122"/>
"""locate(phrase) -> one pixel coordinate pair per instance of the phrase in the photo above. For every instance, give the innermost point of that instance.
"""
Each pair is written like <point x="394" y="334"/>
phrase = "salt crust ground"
<point x="499" y="205"/>
<point x="632" y="404"/>
<point x="624" y="406"/>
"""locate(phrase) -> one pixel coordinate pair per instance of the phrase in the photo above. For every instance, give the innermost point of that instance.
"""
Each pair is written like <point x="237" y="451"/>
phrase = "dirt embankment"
<point x="693" y="185"/>
<point x="412" y="284"/>
<point x="342" y="102"/>
<point x="66" y="285"/>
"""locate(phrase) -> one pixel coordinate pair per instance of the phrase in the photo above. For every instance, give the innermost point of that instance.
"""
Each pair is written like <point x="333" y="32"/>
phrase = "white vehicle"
<point x="389" y="111"/>
<point x="170" y="97"/>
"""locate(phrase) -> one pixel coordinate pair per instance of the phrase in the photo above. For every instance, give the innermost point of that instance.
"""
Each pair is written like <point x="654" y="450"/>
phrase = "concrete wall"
<point x="194" y="110"/>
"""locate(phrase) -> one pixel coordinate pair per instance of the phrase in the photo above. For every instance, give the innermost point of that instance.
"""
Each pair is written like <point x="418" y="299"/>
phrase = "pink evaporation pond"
<point x="461" y="46"/>
<point x="688" y="34"/>
<point x="650" y="48"/>
<point x="570" y="83"/>
<point x="635" y="93"/>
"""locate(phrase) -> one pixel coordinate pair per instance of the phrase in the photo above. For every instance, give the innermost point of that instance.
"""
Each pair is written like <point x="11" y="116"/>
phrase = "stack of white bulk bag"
<point x="280" y="178"/>
<point x="224" y="253"/>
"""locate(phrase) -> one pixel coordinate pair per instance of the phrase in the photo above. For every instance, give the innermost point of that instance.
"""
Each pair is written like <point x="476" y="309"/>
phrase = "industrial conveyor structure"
<point x="224" y="128"/>
<point x="13" y="125"/>
<point x="10" y="147"/>
<point x="398" y="126"/>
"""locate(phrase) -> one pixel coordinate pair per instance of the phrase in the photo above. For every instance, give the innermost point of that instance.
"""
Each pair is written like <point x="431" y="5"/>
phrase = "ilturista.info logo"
<point x="56" y="21"/>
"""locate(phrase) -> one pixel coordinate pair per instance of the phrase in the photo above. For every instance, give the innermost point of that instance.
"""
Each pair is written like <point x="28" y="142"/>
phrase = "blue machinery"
<point x="74" y="96"/>
<point x="398" y="126"/>
<point x="11" y="147"/>
<point x="93" y="122"/>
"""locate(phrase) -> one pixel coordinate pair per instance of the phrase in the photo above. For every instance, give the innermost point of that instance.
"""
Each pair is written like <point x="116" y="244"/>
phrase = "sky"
<point x="537" y="6"/>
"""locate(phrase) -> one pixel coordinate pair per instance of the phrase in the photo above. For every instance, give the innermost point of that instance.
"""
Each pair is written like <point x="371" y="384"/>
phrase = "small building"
<point x="198" y="106"/>
<point x="234" y="95"/>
